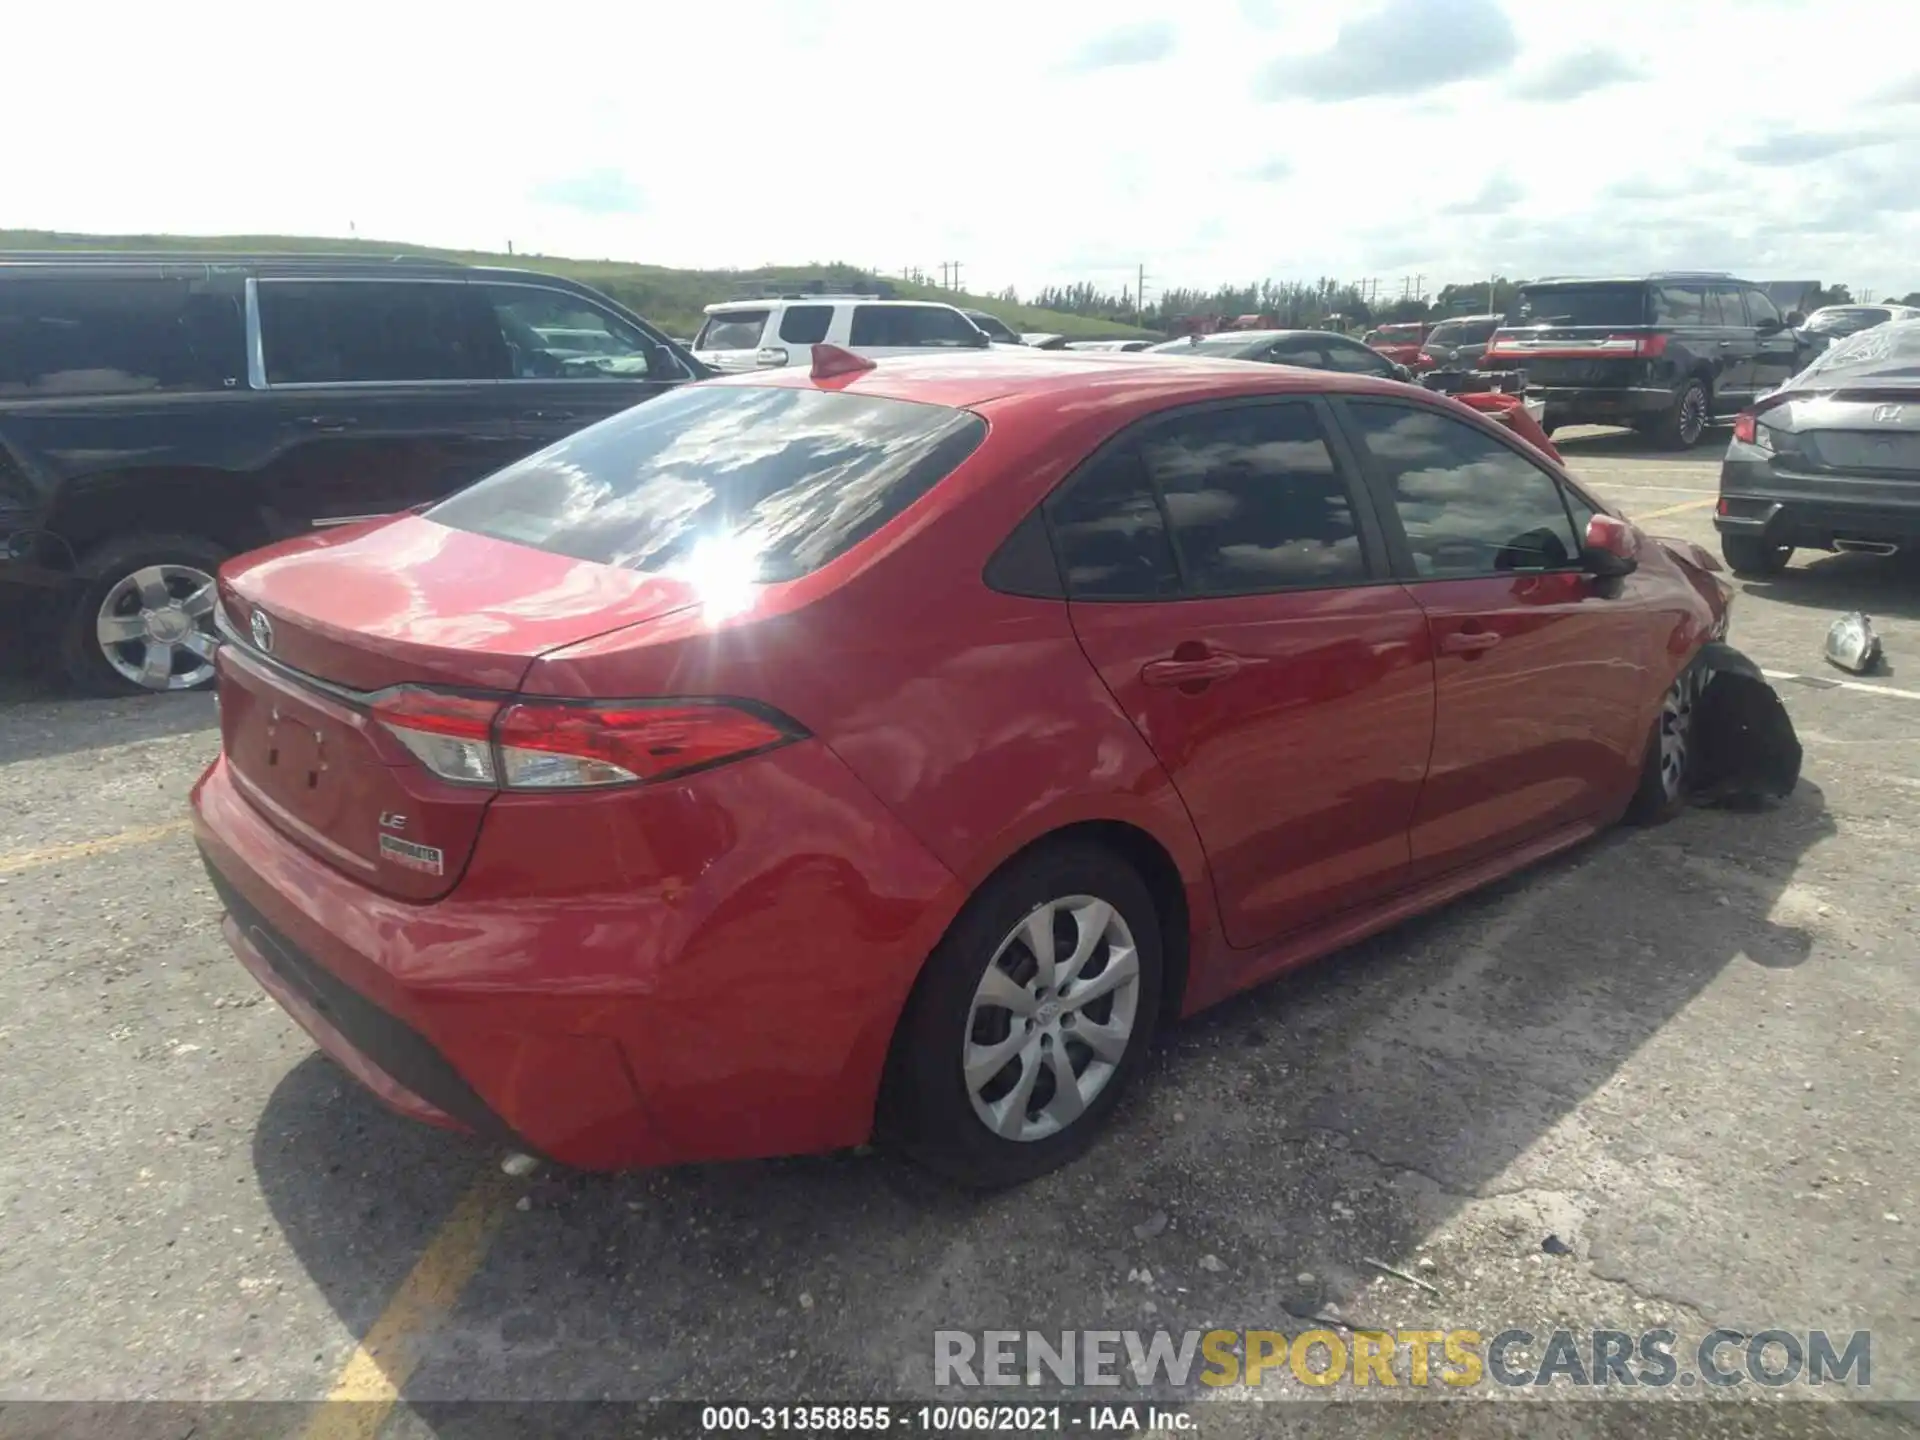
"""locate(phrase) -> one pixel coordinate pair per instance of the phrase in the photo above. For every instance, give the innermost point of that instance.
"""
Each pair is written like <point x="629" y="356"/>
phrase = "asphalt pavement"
<point x="1687" y="1055"/>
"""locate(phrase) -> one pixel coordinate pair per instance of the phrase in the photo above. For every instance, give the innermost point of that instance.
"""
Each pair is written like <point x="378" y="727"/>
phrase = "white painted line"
<point x="1828" y="682"/>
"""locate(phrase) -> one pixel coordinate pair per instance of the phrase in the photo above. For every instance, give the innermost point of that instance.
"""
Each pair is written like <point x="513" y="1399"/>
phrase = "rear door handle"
<point x="1168" y="674"/>
<point x="1468" y="642"/>
<point x="327" y="422"/>
<point x="548" y="415"/>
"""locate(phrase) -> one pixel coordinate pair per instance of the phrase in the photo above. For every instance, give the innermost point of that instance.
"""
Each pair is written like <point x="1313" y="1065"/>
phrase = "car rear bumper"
<point x="737" y="1001"/>
<point x="1593" y="405"/>
<point x="1813" y="512"/>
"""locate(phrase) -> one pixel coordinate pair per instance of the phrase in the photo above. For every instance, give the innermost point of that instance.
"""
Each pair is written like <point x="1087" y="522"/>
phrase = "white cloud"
<point x="798" y="130"/>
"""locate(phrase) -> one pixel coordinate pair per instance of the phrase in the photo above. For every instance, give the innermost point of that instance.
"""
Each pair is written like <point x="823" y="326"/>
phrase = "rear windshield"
<point x="1890" y="351"/>
<point x="1397" y="334"/>
<point x="1847" y="319"/>
<point x="1580" y="305"/>
<point x="1462" y="332"/>
<point x="1218" y="347"/>
<point x="780" y="481"/>
<point x="734" y="330"/>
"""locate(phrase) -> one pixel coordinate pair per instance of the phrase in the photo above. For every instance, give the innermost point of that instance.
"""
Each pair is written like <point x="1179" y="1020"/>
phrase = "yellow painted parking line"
<point x="385" y="1359"/>
<point x="81" y="849"/>
<point x="1676" y="509"/>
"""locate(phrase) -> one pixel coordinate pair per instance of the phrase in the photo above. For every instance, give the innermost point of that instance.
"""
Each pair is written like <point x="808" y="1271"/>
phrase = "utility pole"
<point x="1492" y="280"/>
<point x="956" y="276"/>
<point x="1140" y="296"/>
<point x="1420" y="288"/>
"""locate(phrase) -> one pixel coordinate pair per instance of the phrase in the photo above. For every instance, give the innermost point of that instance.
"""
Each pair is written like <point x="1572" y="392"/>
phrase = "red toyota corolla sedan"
<point x="822" y="753"/>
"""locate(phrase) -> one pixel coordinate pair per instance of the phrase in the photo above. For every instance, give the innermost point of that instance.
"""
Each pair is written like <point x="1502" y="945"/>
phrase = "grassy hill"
<point x="672" y="299"/>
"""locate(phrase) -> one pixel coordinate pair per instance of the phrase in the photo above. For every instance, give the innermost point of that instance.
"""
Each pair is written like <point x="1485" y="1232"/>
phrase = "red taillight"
<point x="562" y="745"/>
<point x="545" y="746"/>
<point x="449" y="734"/>
<point x="1649" y="347"/>
<point x="1745" y="424"/>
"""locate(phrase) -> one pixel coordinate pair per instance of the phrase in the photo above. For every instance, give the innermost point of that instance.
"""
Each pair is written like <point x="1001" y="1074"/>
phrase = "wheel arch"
<point x="173" y="500"/>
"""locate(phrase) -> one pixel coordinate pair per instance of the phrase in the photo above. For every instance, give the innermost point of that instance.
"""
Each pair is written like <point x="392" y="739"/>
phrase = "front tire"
<point x="1682" y="426"/>
<point x="1033" y="1015"/>
<point x="1666" y="772"/>
<point x="144" y="622"/>
<point x="1753" y="555"/>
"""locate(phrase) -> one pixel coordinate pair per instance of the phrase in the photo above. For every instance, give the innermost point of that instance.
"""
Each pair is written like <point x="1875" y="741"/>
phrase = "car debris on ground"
<point x="1852" y="645"/>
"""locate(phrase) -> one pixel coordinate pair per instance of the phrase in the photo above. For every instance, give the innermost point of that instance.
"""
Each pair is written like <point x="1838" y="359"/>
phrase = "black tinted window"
<point x="805" y="324"/>
<point x="1468" y="504"/>
<point x="1297" y="350"/>
<point x="322" y="332"/>
<point x="1581" y="305"/>
<point x="1759" y="308"/>
<point x="1109" y="535"/>
<point x="1357" y="360"/>
<point x="554" y="335"/>
<point x="1681" y="305"/>
<point x="932" y="326"/>
<point x="1463" y="332"/>
<point x="732" y="330"/>
<point x="1255" y="501"/>
<point x="1725" y="308"/>
<point x="753" y="483"/>
<point x="63" y="337"/>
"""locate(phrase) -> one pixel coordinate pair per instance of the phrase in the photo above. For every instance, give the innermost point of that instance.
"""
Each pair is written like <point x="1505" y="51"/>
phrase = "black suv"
<point x="159" y="413"/>
<point x="1665" y="354"/>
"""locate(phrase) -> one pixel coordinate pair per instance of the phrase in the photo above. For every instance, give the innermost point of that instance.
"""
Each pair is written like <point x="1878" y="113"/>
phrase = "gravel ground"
<point x="1687" y="1054"/>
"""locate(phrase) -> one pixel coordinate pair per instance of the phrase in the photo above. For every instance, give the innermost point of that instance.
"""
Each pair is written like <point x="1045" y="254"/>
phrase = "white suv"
<point x="757" y="334"/>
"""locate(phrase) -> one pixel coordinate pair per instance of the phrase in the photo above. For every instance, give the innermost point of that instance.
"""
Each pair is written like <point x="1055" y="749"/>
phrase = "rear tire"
<point x="1666" y="771"/>
<point x="1682" y="426"/>
<point x="984" y="996"/>
<point x="151" y="592"/>
<point x="1752" y="555"/>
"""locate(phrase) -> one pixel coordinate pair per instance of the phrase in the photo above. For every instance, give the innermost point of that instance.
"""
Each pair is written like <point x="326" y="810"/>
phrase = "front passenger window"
<point x="552" y="335"/>
<point x="1468" y="504"/>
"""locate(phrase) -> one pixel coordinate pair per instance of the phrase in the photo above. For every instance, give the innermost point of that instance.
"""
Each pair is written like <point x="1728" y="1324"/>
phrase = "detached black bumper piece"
<point x="1744" y="744"/>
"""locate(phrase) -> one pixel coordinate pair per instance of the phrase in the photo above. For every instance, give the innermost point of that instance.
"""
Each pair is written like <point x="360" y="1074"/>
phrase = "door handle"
<point x="547" y="415"/>
<point x="1468" y="642"/>
<point x="1204" y="670"/>
<point x="1728" y="344"/>
<point x="326" y="422"/>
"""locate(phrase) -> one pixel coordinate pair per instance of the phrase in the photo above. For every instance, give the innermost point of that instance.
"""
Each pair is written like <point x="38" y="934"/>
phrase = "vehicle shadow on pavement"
<point x="40" y="721"/>
<point x="1452" y="1091"/>
<point x="1632" y="445"/>
<point x="1880" y="585"/>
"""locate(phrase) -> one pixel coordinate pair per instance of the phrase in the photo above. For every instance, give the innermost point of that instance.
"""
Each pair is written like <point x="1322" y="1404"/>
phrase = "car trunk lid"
<point x="324" y="634"/>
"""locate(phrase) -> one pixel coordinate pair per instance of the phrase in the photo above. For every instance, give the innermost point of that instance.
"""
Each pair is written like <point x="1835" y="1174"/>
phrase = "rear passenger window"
<point x="1680" y="305"/>
<point x="1724" y="308"/>
<point x="73" y="337"/>
<point x="805" y="324"/>
<point x="1255" y="501"/>
<point x="1468" y="504"/>
<point x="915" y="326"/>
<point x="323" y="332"/>
<point x="1109" y="535"/>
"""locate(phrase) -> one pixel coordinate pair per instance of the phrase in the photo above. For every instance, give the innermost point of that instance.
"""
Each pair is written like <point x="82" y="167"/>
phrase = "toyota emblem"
<point x="262" y="630"/>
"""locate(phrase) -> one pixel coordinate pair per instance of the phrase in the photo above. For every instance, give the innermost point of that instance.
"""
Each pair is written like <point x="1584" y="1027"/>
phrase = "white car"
<point x="741" y="335"/>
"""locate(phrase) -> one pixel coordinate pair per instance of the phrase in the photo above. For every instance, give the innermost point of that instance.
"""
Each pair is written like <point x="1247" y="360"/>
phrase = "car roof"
<point x="1465" y="319"/>
<point x="1640" y="279"/>
<point x="771" y="302"/>
<point x="1119" y="378"/>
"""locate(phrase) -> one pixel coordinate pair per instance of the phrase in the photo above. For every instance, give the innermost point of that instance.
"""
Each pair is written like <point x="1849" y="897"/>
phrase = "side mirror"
<point x="1401" y="372"/>
<point x="1771" y="326"/>
<point x="981" y="340"/>
<point x="1612" y="547"/>
<point x="1795" y="319"/>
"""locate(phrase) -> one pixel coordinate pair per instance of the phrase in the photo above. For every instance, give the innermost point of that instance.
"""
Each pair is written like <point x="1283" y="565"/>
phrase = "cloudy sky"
<point x="1034" y="142"/>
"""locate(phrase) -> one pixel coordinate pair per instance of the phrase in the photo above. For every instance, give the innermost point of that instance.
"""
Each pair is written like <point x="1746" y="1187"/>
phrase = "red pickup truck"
<point x="1399" y="342"/>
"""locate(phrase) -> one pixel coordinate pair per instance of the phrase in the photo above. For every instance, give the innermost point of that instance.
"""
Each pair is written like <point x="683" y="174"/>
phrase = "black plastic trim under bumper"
<point x="391" y="1044"/>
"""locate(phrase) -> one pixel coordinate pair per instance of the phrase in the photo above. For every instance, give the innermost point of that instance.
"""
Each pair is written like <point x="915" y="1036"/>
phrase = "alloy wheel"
<point x="1051" y="1018"/>
<point x="155" y="627"/>
<point x="1693" y="414"/>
